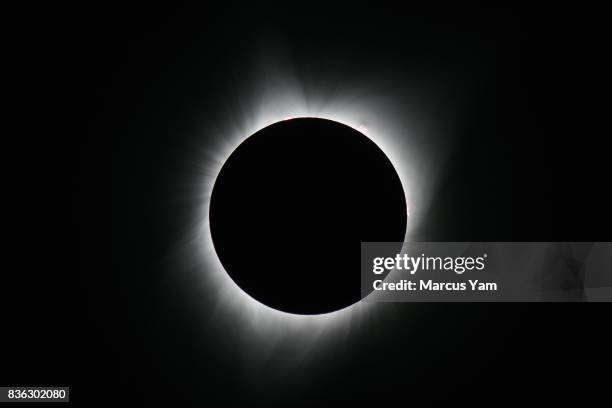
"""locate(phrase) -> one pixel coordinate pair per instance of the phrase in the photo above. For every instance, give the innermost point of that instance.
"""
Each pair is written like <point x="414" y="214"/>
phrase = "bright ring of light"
<point x="247" y="313"/>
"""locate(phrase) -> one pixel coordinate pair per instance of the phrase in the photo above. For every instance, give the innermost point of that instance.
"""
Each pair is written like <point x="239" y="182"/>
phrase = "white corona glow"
<point x="282" y="98"/>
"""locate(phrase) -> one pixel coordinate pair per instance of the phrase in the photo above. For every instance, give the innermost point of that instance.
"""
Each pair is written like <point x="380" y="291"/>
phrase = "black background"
<point x="530" y="165"/>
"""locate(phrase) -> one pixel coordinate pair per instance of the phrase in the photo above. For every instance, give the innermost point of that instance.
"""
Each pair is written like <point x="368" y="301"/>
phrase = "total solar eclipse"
<point x="290" y="207"/>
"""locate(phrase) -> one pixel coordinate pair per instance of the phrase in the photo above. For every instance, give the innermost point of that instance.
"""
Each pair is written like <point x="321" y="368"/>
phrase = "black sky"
<point x="116" y="90"/>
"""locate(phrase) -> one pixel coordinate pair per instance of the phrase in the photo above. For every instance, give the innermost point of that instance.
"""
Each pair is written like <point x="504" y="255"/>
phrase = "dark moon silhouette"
<point x="291" y="206"/>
